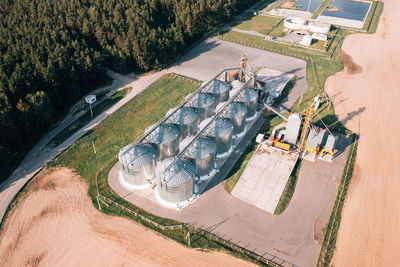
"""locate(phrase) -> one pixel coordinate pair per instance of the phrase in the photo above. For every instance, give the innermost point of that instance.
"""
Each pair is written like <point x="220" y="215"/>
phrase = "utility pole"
<point x="94" y="147"/>
<point x="91" y="112"/>
<point x="90" y="99"/>
<point x="188" y="238"/>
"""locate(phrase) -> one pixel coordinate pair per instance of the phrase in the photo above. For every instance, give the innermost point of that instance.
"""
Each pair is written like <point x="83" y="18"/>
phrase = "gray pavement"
<point x="296" y="235"/>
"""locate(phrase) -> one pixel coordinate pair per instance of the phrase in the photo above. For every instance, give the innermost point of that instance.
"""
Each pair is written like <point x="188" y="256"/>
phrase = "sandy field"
<point x="56" y="225"/>
<point x="366" y="95"/>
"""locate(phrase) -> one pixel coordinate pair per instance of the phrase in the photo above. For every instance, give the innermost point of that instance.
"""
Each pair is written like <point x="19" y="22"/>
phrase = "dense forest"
<point x="53" y="52"/>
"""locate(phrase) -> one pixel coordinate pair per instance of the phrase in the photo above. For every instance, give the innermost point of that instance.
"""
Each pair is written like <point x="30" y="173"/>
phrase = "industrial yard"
<point x="163" y="158"/>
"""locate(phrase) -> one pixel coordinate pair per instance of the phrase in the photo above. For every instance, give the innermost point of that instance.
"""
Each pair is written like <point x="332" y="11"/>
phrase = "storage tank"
<point x="236" y="113"/>
<point x="166" y="140"/>
<point x="202" y="154"/>
<point x="249" y="98"/>
<point x="186" y="120"/>
<point x="319" y="27"/>
<point x="219" y="89"/>
<point x="176" y="184"/>
<point x="221" y="131"/>
<point x="138" y="163"/>
<point x="204" y="104"/>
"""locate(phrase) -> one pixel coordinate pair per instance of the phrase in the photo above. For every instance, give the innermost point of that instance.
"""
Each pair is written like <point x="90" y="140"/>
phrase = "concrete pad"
<point x="265" y="177"/>
<point x="285" y="13"/>
<point x="350" y="23"/>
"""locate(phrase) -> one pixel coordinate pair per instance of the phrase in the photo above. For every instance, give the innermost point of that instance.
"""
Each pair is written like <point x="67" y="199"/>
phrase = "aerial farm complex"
<point x="176" y="159"/>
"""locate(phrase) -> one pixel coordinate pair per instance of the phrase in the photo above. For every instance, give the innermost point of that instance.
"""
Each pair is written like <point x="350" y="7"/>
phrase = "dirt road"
<point x="57" y="225"/>
<point x="366" y="97"/>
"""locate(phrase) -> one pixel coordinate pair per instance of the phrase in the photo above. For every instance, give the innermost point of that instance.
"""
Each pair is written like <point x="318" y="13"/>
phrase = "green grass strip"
<point x="329" y="244"/>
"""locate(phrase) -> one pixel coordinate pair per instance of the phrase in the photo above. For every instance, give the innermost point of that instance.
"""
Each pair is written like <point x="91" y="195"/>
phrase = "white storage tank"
<point x="137" y="163"/>
<point x="249" y="97"/>
<point x="220" y="131"/>
<point x="204" y="104"/>
<point x="319" y="27"/>
<point x="202" y="153"/>
<point x="294" y="23"/>
<point x="219" y="89"/>
<point x="166" y="140"/>
<point x="186" y="119"/>
<point x="177" y="184"/>
<point x="236" y="113"/>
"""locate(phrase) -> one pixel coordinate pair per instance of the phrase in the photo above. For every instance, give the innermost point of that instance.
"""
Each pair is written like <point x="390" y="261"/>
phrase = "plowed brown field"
<point x="55" y="224"/>
<point x="366" y="96"/>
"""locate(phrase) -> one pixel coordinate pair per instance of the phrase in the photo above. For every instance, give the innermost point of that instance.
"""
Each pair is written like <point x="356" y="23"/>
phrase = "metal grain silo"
<point x="236" y="113"/>
<point x="176" y="184"/>
<point x="186" y="119"/>
<point x="202" y="154"/>
<point x="249" y="97"/>
<point x="137" y="163"/>
<point x="204" y="104"/>
<point x="166" y="139"/>
<point x="221" y="132"/>
<point x="219" y="89"/>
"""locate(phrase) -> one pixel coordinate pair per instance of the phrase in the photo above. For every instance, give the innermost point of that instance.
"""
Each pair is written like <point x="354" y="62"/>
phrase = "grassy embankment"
<point x="289" y="189"/>
<point x="317" y="71"/>
<point x="86" y="118"/>
<point x="332" y="228"/>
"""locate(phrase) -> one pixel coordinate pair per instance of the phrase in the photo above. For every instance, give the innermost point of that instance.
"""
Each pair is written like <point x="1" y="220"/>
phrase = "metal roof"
<point x="220" y="127"/>
<point x="180" y="173"/>
<point x="315" y="137"/>
<point x="234" y="109"/>
<point x="236" y="84"/>
<point x="202" y="148"/>
<point x="202" y="100"/>
<point x="165" y="133"/>
<point x="137" y="154"/>
<point x="247" y="95"/>
<point x="184" y="116"/>
<point x="217" y="87"/>
<point x="330" y="143"/>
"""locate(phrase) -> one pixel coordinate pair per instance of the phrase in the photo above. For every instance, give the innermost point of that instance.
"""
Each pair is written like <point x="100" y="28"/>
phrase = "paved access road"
<point x="202" y="62"/>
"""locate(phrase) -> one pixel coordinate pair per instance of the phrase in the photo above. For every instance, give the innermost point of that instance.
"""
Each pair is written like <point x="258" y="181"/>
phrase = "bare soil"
<point x="367" y="99"/>
<point x="55" y="224"/>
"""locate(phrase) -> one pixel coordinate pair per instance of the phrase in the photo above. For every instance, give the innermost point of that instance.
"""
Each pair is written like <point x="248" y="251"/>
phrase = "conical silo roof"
<point x="202" y="100"/>
<point x="220" y="127"/>
<point x="234" y="109"/>
<point x="217" y="87"/>
<point x="184" y="116"/>
<point x="137" y="154"/>
<point x="165" y="133"/>
<point x="202" y="148"/>
<point x="180" y="173"/>
<point x="247" y="95"/>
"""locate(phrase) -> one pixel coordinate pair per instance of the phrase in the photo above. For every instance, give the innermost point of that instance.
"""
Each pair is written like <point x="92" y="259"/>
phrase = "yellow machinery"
<point x="278" y="143"/>
<point x="323" y="150"/>
<point x="309" y="113"/>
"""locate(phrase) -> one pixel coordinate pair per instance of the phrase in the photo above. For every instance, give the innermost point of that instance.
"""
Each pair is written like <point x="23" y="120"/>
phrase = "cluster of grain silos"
<point x="185" y="146"/>
<point x="137" y="163"/>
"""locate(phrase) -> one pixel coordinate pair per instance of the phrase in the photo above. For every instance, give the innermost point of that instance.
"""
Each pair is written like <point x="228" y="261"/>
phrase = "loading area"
<point x="265" y="177"/>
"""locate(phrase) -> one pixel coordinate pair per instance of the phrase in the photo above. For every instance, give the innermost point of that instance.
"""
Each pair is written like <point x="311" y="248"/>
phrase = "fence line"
<point x="272" y="260"/>
<point x="331" y="240"/>
<point x="184" y="78"/>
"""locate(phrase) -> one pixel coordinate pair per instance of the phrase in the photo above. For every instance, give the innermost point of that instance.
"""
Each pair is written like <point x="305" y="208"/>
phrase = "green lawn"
<point x="289" y="189"/>
<point x="261" y="24"/>
<point x="238" y="168"/>
<point x="82" y="121"/>
<point x="124" y="126"/>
